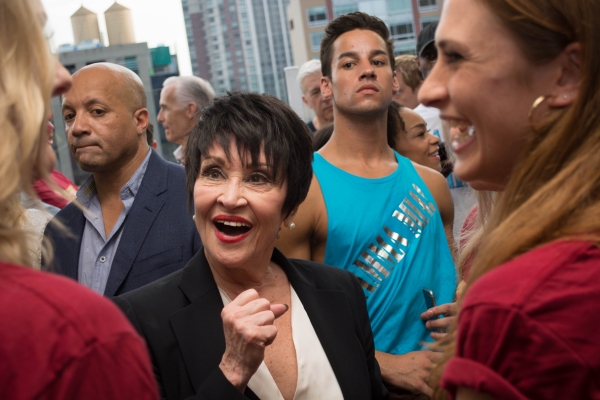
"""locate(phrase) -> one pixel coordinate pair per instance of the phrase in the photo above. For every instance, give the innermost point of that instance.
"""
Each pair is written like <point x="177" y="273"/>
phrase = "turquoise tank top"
<point x="388" y="232"/>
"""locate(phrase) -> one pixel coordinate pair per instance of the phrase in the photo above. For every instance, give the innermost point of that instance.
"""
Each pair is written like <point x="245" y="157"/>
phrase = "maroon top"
<point x="49" y="196"/>
<point x="529" y="328"/>
<point x="59" y="340"/>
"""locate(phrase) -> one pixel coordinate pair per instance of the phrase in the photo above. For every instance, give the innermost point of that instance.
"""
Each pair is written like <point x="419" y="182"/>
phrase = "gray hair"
<point x="191" y="89"/>
<point x="308" y="68"/>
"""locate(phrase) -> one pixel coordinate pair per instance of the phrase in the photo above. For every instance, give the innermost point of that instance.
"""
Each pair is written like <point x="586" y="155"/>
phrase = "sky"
<point x="158" y="22"/>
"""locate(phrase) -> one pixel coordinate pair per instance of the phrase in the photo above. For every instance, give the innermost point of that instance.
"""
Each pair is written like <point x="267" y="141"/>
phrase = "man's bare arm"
<point x="437" y="185"/>
<point x="306" y="241"/>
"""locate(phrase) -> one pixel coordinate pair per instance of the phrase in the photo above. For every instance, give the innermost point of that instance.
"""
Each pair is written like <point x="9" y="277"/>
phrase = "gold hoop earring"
<point x="534" y="106"/>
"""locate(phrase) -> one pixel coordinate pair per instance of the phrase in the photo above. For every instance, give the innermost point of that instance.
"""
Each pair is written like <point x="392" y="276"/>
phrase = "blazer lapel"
<point x="198" y="327"/>
<point x="145" y="208"/>
<point x="328" y="311"/>
<point x="67" y="247"/>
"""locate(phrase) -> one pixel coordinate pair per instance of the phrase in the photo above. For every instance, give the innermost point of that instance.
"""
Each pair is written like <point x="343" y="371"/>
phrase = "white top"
<point x="179" y="156"/>
<point x="316" y="379"/>
<point x="431" y="115"/>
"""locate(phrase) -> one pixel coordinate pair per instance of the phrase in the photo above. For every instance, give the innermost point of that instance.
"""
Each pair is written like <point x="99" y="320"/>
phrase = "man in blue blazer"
<point x="134" y="226"/>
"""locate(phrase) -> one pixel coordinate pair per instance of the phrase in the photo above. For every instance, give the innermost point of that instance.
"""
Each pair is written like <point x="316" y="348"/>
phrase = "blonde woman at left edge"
<point x="58" y="340"/>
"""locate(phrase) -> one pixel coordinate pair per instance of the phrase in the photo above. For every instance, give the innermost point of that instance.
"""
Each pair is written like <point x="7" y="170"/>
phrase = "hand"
<point x="440" y="325"/>
<point x="408" y="371"/>
<point x="248" y="327"/>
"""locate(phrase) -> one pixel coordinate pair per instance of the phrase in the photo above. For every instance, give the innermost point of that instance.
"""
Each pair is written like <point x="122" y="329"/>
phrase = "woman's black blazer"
<point x="180" y="318"/>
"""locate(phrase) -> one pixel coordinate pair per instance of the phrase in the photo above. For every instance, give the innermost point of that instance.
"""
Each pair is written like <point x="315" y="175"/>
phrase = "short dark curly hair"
<point x="258" y="123"/>
<point x="347" y="23"/>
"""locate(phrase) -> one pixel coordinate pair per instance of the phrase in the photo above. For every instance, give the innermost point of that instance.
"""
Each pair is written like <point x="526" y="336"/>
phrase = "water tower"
<point x="85" y="26"/>
<point x="119" y="25"/>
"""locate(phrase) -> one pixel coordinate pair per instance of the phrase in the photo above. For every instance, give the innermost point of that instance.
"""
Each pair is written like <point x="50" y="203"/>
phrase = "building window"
<point x="402" y="31"/>
<point x="344" y="9"/>
<point x="428" y="4"/>
<point x="399" y="6"/>
<point x="317" y="16"/>
<point x="131" y="63"/>
<point x="315" y="40"/>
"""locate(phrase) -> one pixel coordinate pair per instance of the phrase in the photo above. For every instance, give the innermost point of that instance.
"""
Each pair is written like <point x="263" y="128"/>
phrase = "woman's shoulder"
<point x="48" y="304"/>
<point x="553" y="288"/>
<point x="554" y="270"/>
<point x="162" y="294"/>
<point x="323" y="274"/>
<point x="538" y="308"/>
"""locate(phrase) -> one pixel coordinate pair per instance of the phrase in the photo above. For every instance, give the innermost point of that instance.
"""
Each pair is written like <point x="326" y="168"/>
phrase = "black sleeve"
<point x="378" y="390"/>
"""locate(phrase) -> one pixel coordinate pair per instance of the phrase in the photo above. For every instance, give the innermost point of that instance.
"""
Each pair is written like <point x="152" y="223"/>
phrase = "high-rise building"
<point x="85" y="26"/>
<point x="307" y="20"/>
<point x="119" y="25"/>
<point x="239" y="44"/>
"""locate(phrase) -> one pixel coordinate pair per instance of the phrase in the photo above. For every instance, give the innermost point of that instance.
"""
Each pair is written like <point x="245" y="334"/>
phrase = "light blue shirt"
<point x="97" y="248"/>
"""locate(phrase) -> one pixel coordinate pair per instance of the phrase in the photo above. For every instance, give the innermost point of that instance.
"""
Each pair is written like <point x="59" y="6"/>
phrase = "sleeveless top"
<point x="389" y="233"/>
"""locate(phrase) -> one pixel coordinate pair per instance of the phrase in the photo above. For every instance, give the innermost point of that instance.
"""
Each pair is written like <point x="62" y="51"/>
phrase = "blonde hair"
<point x="554" y="190"/>
<point x="407" y="66"/>
<point x="26" y="78"/>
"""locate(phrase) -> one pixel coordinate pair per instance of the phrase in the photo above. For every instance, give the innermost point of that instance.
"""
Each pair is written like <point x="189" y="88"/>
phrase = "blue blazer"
<point x="159" y="236"/>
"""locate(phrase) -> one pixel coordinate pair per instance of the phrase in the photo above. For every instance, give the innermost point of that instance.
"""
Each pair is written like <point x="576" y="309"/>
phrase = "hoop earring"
<point x="535" y="105"/>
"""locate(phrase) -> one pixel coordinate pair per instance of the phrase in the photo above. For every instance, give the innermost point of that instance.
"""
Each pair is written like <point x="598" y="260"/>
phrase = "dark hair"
<point x="258" y="123"/>
<point x="347" y="23"/>
<point x="394" y="124"/>
<point x="322" y="136"/>
<point x="150" y="134"/>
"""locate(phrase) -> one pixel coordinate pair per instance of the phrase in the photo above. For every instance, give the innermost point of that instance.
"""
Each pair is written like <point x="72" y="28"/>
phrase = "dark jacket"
<point x="180" y="318"/>
<point x="159" y="236"/>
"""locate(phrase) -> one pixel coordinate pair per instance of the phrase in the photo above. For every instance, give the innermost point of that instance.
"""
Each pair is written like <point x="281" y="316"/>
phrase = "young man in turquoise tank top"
<point x="373" y="212"/>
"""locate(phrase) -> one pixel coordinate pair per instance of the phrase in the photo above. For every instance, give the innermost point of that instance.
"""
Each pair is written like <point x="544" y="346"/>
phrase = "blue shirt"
<point x="98" y="248"/>
<point x="389" y="233"/>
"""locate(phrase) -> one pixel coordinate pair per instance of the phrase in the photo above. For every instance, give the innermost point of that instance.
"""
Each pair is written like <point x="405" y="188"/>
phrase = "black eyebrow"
<point x="354" y="54"/>
<point x="419" y="125"/>
<point x="348" y="54"/>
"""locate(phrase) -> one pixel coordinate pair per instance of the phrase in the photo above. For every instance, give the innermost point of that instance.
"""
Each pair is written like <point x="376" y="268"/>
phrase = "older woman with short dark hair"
<point x="241" y="320"/>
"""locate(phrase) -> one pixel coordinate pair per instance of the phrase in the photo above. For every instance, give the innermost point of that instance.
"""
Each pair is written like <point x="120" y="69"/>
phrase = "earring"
<point x="292" y="226"/>
<point x="535" y="105"/>
<point x="194" y="217"/>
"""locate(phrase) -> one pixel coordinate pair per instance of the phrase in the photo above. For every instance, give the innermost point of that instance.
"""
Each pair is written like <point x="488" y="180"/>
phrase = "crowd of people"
<point x="340" y="258"/>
